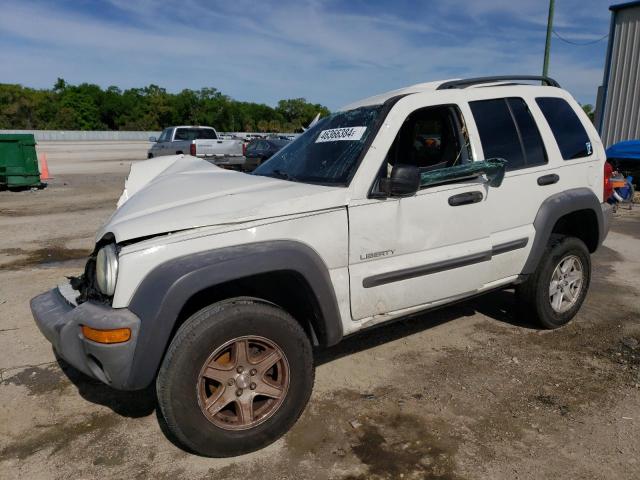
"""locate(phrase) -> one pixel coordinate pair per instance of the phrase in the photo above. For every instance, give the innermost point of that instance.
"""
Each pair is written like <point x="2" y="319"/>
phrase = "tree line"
<point x="89" y="107"/>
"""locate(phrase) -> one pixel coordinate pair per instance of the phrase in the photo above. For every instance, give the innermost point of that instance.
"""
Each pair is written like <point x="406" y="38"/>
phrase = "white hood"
<point x="181" y="192"/>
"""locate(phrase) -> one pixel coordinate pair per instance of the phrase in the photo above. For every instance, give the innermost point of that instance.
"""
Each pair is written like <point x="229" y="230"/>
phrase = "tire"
<point x="534" y="295"/>
<point x="182" y="389"/>
<point x="149" y="156"/>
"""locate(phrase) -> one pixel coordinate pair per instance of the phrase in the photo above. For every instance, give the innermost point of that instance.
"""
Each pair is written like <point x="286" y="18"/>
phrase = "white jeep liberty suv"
<point x="216" y="284"/>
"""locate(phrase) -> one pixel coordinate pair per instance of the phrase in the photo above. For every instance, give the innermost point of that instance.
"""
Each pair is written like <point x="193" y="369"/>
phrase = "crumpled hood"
<point x="182" y="192"/>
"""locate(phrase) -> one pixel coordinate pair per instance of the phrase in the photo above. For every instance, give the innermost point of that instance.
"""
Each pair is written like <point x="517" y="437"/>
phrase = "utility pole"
<point x="547" y="46"/>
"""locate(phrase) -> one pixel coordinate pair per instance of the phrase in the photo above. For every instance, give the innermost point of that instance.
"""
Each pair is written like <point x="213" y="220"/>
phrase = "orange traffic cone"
<point x="44" y="175"/>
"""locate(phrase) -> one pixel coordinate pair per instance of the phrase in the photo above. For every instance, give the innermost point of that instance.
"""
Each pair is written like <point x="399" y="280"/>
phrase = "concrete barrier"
<point x="86" y="135"/>
<point x="111" y="135"/>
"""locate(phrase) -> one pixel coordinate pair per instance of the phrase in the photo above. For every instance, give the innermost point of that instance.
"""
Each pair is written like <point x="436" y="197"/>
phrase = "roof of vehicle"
<point x="383" y="97"/>
<point x="192" y="126"/>
<point x="480" y="82"/>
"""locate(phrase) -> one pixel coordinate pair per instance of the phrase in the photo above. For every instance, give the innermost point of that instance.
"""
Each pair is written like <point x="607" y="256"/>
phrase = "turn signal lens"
<point x="117" y="335"/>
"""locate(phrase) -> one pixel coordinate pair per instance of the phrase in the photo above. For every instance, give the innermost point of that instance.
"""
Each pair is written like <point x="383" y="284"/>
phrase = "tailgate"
<point x="218" y="147"/>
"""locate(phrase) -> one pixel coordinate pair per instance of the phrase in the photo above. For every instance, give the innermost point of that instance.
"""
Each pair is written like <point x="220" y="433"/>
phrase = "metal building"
<point x="618" y="104"/>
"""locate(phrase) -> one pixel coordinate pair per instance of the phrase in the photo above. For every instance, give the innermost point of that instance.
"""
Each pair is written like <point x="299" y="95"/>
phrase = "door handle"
<point x="548" y="179"/>
<point x="465" y="198"/>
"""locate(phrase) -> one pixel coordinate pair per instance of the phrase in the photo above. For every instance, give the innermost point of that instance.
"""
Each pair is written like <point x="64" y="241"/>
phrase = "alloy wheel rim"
<point x="566" y="284"/>
<point x="243" y="383"/>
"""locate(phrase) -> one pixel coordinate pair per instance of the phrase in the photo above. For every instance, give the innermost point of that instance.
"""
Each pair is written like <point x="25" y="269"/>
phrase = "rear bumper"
<point x="607" y="215"/>
<point x="60" y="322"/>
<point x="224" y="160"/>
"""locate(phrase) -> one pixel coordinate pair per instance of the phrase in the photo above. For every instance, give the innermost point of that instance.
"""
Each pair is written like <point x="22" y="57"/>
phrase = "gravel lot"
<point x="465" y="392"/>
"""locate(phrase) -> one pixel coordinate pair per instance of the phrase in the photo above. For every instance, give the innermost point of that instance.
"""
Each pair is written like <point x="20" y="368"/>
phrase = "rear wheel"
<point x="555" y="292"/>
<point x="236" y="377"/>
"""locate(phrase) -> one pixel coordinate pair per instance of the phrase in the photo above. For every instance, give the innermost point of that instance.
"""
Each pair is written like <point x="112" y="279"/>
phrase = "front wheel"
<point x="554" y="293"/>
<point x="236" y="377"/>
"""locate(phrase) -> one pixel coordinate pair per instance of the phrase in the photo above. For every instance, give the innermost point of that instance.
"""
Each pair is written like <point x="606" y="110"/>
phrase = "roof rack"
<point x="504" y="78"/>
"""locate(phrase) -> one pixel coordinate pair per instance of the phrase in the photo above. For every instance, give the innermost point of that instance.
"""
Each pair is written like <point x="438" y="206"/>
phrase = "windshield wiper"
<point x="277" y="173"/>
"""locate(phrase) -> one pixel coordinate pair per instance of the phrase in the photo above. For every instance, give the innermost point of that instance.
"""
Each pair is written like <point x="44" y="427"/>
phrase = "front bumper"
<point x="60" y="322"/>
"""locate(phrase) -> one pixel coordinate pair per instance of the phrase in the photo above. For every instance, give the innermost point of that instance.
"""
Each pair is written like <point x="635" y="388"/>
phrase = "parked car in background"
<point x="203" y="142"/>
<point x="258" y="151"/>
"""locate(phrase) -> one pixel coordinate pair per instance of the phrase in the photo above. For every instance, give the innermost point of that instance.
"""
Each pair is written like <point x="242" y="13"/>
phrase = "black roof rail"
<point x="464" y="83"/>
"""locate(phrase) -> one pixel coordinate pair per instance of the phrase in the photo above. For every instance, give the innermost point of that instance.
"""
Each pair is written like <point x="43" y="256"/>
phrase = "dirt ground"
<point x="465" y="392"/>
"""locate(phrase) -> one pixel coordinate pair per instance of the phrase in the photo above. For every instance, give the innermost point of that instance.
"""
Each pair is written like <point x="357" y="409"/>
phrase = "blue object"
<point x="627" y="191"/>
<point x="628" y="150"/>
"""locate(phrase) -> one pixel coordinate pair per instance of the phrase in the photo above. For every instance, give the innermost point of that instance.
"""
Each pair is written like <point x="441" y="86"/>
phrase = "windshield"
<point x="328" y="152"/>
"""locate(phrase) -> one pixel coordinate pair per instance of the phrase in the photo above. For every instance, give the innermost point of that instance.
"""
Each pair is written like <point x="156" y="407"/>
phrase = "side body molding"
<point x="164" y="292"/>
<point x="555" y="207"/>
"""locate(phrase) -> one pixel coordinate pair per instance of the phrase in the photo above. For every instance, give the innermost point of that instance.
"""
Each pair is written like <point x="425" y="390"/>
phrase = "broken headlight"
<point x="107" y="269"/>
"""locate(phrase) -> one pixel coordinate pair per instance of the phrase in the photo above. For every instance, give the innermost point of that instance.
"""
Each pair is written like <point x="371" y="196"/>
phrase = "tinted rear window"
<point x="498" y="133"/>
<point x="570" y="135"/>
<point x="507" y="130"/>
<point x="195" y="134"/>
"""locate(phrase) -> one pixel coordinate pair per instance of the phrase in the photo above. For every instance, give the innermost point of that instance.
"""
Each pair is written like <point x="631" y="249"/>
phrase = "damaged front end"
<point x="87" y="286"/>
<point x="80" y="322"/>
<point x="97" y="282"/>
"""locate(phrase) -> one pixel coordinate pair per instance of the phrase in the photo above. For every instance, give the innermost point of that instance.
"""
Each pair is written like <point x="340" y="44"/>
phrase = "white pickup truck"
<point x="203" y="142"/>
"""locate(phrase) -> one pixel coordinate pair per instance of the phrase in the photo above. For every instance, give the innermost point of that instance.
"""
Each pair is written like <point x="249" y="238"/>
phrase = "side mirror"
<point x="153" y="139"/>
<point x="403" y="182"/>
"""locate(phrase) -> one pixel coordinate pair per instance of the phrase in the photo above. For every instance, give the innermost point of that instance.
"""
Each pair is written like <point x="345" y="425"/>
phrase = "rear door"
<point x="515" y="128"/>
<point x="506" y="128"/>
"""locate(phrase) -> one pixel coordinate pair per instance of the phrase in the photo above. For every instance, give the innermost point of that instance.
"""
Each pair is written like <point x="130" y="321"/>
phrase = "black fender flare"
<point x="163" y="293"/>
<point x="554" y="208"/>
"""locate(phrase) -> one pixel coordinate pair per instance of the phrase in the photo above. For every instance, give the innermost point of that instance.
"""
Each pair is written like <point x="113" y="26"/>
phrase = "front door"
<point x="435" y="245"/>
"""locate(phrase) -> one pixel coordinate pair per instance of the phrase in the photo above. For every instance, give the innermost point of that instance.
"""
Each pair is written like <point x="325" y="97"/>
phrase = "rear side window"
<point x="570" y="135"/>
<point x="507" y="130"/>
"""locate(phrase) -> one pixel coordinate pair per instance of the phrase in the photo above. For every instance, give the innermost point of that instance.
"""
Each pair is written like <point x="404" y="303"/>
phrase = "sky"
<point x="329" y="52"/>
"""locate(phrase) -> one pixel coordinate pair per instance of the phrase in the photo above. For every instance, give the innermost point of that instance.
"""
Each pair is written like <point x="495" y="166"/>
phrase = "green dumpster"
<point x="18" y="161"/>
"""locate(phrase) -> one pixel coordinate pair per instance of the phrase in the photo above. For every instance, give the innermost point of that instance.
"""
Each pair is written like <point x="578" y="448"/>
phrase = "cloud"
<point x="327" y="51"/>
